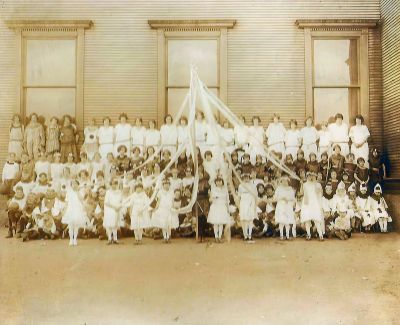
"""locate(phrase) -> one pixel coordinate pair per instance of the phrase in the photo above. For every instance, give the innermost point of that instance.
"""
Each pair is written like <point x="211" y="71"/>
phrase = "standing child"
<point x="53" y="136"/>
<point x="311" y="208"/>
<point x="112" y="205"/>
<point x="324" y="143"/>
<point x="219" y="212"/>
<point x="16" y="138"/>
<point x="9" y="175"/>
<point x="361" y="174"/>
<point x="284" y="211"/>
<point x="139" y="212"/>
<point x="75" y="214"/>
<point x="138" y="134"/>
<point x="247" y="206"/>
<point x="106" y="138"/>
<point x="122" y="134"/>
<point x="68" y="138"/>
<point x="275" y="134"/>
<point x="162" y="216"/>
<point x="309" y="135"/>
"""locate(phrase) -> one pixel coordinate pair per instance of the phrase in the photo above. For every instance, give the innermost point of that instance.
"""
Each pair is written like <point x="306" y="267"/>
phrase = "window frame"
<point x="192" y="30"/>
<point x="337" y="29"/>
<point x="50" y="30"/>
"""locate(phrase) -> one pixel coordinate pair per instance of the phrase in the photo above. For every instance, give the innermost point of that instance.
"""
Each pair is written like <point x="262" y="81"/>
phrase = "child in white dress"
<point x="140" y="218"/>
<point x="363" y="208"/>
<point x="292" y="139"/>
<point x="112" y="205"/>
<point x="106" y="138"/>
<point x="74" y="215"/>
<point x="218" y="215"/>
<point x="284" y="211"/>
<point x="162" y="216"/>
<point x="311" y="207"/>
<point x="247" y="206"/>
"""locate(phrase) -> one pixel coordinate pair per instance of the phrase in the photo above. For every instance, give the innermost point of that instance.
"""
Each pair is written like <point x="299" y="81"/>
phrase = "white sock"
<point x="220" y="231"/>
<point x="319" y="229"/>
<point x="245" y="226"/>
<point x="380" y="220"/>
<point x="76" y="231"/>
<point x="294" y="230"/>
<point x="385" y="224"/>
<point x="250" y="228"/>
<point x="164" y="232"/>
<point x="216" y="231"/>
<point x="109" y="234"/>
<point x="140" y="233"/>
<point x="281" y="226"/>
<point x="136" y="232"/>
<point x="308" y="228"/>
<point x="287" y="231"/>
<point x="168" y="232"/>
<point x="71" y="233"/>
<point x="115" y="234"/>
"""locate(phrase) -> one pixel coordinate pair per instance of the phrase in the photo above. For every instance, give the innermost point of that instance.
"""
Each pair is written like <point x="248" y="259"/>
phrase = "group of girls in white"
<point x="124" y="181"/>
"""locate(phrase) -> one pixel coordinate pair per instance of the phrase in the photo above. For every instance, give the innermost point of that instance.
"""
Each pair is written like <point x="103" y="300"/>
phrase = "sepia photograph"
<point x="200" y="162"/>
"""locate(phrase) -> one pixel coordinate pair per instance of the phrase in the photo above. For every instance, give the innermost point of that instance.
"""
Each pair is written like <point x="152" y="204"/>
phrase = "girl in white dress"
<point x="359" y="135"/>
<point x="138" y="135"/>
<point x="324" y="143"/>
<point x="284" y="211"/>
<point x="16" y="139"/>
<point x="311" y="207"/>
<point x="162" y="216"/>
<point x="201" y="131"/>
<point x="292" y="139"/>
<point x="218" y="215"/>
<point x="256" y="139"/>
<point x="140" y="218"/>
<point x="122" y="133"/>
<point x="339" y="134"/>
<point x="75" y="215"/>
<point x="95" y="166"/>
<point x="363" y="208"/>
<point x="228" y="137"/>
<point x="309" y="136"/>
<point x="90" y="144"/>
<point x="183" y="134"/>
<point x="56" y="171"/>
<point x="106" y="138"/>
<point x="169" y="135"/>
<point x="112" y="205"/>
<point x="247" y="206"/>
<point x="152" y="136"/>
<point x="275" y="134"/>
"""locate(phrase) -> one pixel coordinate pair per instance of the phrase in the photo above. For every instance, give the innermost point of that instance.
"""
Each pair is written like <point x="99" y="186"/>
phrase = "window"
<point x="336" y="85"/>
<point x="182" y="43"/>
<point x="50" y="67"/>
<point x="336" y="67"/>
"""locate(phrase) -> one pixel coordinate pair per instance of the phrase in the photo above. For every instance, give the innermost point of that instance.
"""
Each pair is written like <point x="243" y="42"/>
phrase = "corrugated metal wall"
<point x="391" y="81"/>
<point x="265" y="52"/>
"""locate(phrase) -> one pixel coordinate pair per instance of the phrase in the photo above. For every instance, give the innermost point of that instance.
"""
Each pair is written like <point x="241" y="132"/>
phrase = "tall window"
<point x="336" y="67"/>
<point x="336" y="87"/>
<point x="50" y="67"/>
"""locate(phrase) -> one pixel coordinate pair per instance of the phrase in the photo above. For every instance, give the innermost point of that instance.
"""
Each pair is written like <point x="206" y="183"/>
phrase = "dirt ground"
<point x="299" y="282"/>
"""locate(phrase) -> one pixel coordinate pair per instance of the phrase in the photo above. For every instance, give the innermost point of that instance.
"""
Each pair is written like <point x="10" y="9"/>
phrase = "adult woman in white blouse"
<point x="359" y="135"/>
<point x="138" y="134"/>
<point x="122" y="133"/>
<point x="169" y="135"/>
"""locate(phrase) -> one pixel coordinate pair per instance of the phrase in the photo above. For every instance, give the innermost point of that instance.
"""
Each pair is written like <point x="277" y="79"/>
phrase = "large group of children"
<point x="104" y="190"/>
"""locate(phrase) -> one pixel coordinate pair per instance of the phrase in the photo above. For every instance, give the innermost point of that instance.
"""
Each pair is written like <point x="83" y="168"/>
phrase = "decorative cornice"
<point x="337" y="23"/>
<point x="206" y="24"/>
<point x="49" y="24"/>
